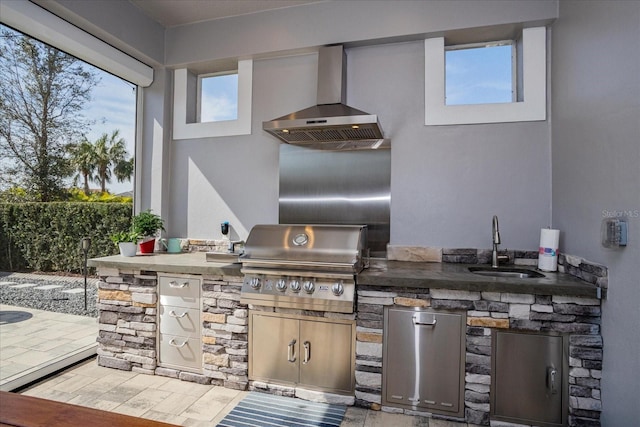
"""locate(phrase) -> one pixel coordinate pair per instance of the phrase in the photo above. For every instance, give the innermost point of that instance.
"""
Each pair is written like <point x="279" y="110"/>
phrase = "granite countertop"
<point x="186" y="263"/>
<point x="380" y="273"/>
<point x="457" y="276"/>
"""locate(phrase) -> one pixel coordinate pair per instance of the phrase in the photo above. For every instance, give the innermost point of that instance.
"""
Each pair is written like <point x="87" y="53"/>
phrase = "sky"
<point x="113" y="106"/>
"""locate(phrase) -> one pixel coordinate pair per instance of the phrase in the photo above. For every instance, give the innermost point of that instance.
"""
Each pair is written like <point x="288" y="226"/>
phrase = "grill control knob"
<point x="255" y="282"/>
<point x="281" y="285"/>
<point x="337" y="289"/>
<point x="294" y="285"/>
<point x="309" y="287"/>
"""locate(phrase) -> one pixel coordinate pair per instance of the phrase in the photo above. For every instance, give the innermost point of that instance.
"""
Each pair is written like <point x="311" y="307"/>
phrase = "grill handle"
<point x="291" y="351"/>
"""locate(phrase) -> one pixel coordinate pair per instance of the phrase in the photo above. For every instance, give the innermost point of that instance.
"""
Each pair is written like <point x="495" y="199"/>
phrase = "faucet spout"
<point x="496" y="241"/>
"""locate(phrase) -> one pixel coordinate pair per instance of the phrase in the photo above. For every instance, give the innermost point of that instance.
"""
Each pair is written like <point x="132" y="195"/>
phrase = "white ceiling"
<point x="171" y="13"/>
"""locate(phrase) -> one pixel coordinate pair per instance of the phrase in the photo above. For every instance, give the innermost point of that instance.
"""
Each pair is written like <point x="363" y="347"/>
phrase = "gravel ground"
<point x="52" y="299"/>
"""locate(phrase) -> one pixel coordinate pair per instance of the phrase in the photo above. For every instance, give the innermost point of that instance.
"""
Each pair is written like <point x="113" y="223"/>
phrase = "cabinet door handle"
<point x="307" y="352"/>
<point x="175" y="284"/>
<point x="178" y="316"/>
<point x="552" y="377"/>
<point x="417" y="322"/>
<point x="291" y="351"/>
<point x="172" y="343"/>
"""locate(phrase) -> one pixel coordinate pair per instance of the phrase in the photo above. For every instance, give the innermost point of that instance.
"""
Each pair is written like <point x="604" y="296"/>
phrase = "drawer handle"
<point x="177" y="316"/>
<point x="307" y="352"/>
<point x="172" y="343"/>
<point x="552" y="375"/>
<point x="174" y="284"/>
<point x="419" y="323"/>
<point x="291" y="351"/>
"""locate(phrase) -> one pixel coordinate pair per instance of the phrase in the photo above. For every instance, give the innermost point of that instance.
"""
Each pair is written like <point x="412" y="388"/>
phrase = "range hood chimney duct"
<point x="331" y="124"/>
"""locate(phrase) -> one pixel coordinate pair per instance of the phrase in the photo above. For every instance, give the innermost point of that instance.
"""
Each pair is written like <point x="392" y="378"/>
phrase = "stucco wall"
<point x="596" y="158"/>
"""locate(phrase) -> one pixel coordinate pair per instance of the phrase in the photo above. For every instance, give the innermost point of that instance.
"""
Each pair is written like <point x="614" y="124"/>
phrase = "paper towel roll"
<point x="548" y="251"/>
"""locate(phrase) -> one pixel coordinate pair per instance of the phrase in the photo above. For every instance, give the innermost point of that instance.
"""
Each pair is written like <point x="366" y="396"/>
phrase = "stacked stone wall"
<point x="128" y="327"/>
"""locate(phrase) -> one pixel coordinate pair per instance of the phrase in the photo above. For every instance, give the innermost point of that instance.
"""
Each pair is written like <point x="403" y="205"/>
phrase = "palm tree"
<point x="83" y="161"/>
<point x="110" y="152"/>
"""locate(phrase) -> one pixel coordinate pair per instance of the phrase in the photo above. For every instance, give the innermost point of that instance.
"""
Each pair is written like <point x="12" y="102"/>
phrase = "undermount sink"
<point x="225" y="257"/>
<point x="510" y="272"/>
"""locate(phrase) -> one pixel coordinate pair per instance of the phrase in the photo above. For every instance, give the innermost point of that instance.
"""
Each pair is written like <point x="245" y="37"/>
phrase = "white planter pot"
<point x="128" y="248"/>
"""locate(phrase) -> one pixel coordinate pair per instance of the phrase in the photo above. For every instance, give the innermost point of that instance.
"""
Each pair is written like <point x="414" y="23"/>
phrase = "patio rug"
<point x="262" y="410"/>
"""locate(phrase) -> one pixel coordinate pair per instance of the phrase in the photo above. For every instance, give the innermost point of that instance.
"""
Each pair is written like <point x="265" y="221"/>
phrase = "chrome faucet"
<point x="495" y="231"/>
<point x="232" y="245"/>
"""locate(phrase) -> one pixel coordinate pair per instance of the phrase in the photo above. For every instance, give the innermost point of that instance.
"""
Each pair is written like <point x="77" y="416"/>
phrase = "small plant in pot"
<point x="127" y="241"/>
<point x="147" y="225"/>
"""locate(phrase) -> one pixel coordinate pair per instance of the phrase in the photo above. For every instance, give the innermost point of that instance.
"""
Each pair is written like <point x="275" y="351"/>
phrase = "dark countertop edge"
<point x="381" y="273"/>
<point x="456" y="277"/>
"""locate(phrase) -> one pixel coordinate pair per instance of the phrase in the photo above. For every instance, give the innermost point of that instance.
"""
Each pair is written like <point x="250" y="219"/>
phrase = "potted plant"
<point x="127" y="242"/>
<point x="147" y="225"/>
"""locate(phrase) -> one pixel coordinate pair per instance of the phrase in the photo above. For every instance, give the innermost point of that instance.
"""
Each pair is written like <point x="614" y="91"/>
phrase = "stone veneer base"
<point x="578" y="317"/>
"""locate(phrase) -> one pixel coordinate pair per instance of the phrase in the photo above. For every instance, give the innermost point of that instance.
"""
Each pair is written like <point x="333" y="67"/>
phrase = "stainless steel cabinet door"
<point x="275" y="348"/>
<point x="528" y="383"/>
<point x="423" y="359"/>
<point x="327" y="353"/>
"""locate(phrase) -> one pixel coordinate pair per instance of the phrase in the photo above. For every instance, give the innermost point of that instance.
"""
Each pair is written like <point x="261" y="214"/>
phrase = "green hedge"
<point x="46" y="236"/>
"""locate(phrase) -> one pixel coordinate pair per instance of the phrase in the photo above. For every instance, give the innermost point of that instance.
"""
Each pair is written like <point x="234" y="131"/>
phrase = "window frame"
<point x="531" y="104"/>
<point x="185" y="100"/>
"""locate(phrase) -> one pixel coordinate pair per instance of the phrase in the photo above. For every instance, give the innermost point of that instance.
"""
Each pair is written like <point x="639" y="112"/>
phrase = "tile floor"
<point x="31" y="340"/>
<point x="173" y="401"/>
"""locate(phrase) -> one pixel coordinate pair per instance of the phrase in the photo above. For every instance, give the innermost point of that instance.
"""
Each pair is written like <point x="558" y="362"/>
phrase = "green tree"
<point x="111" y="159"/>
<point x="83" y="159"/>
<point x="42" y="94"/>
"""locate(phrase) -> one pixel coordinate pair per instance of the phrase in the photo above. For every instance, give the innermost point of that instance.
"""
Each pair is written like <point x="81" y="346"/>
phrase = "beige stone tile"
<point x="175" y="403"/>
<point x="147" y="381"/>
<point x="191" y="422"/>
<point x="164" y="417"/>
<point x="142" y="402"/>
<point x="12" y="339"/>
<point x="7" y="352"/>
<point x="92" y="369"/>
<point x="51" y="394"/>
<point x="185" y="387"/>
<point x="73" y="383"/>
<point x="384" y="419"/>
<point x="121" y="394"/>
<point x="207" y="407"/>
<point x="354" y="417"/>
<point x="31" y="358"/>
<point x="93" y="402"/>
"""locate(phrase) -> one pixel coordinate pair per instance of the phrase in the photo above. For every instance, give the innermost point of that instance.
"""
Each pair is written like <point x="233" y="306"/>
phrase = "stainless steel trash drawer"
<point x="180" y="352"/>
<point x="423" y="360"/>
<point x="179" y="291"/>
<point x="181" y="321"/>
<point x="529" y="381"/>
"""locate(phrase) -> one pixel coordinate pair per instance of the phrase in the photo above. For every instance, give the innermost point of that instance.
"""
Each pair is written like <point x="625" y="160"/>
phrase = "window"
<point x="480" y="73"/>
<point x="218" y="97"/>
<point x="445" y="105"/>
<point x="213" y="104"/>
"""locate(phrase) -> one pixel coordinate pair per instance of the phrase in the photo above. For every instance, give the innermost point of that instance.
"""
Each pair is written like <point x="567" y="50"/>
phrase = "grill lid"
<point x="330" y="247"/>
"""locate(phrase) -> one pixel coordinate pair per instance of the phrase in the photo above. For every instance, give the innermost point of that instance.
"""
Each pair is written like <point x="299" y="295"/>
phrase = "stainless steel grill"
<point x="311" y="267"/>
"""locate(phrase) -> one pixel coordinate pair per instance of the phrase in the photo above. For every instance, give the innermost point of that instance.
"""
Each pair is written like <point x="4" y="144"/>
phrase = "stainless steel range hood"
<point x="331" y="124"/>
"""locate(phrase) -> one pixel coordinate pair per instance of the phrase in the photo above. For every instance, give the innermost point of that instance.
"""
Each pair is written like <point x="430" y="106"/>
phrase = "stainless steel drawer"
<point x="180" y="352"/>
<point x="179" y="291"/>
<point x="180" y="321"/>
